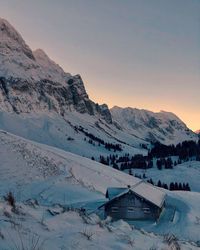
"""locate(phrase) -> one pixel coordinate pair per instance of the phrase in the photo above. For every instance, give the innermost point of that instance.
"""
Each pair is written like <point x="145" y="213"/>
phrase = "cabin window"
<point x="131" y="209"/>
<point x="146" y="210"/>
<point x="114" y="209"/>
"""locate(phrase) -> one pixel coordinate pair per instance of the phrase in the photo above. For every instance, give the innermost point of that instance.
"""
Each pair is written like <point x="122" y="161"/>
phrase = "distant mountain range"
<point x="163" y="126"/>
<point x="41" y="102"/>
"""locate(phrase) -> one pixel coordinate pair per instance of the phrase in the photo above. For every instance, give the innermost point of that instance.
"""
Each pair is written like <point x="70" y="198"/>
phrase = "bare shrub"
<point x="129" y="240"/>
<point x="106" y="224"/>
<point x="85" y="218"/>
<point x="32" y="242"/>
<point x="32" y="203"/>
<point x="7" y="214"/>
<point x="2" y="236"/>
<point x="87" y="234"/>
<point x="172" y="241"/>
<point x="110" y="229"/>
<point x="10" y="199"/>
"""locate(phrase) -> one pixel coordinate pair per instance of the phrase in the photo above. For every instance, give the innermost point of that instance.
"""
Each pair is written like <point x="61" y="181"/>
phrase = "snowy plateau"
<point x="49" y="131"/>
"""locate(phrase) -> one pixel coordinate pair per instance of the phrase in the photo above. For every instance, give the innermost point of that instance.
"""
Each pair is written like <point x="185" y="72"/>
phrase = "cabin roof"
<point x="142" y="189"/>
<point x="114" y="191"/>
<point x="151" y="193"/>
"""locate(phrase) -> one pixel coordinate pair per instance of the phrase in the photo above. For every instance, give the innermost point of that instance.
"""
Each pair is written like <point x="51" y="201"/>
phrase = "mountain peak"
<point x="40" y="53"/>
<point x="48" y="65"/>
<point x="11" y="41"/>
<point x="6" y="27"/>
<point x="4" y="23"/>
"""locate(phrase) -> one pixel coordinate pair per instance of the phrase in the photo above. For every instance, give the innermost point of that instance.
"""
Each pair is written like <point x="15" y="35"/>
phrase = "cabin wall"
<point x="132" y="207"/>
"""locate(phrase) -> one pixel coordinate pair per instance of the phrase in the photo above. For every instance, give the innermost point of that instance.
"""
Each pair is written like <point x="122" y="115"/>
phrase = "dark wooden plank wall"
<point x="131" y="207"/>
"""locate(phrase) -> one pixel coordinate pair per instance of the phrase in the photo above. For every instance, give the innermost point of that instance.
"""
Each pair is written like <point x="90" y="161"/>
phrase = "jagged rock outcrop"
<point x="32" y="82"/>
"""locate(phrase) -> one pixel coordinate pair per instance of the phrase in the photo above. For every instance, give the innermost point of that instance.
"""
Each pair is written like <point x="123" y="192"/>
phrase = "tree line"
<point x="184" y="150"/>
<point x="161" y="154"/>
<point x="93" y="139"/>
<point x="173" y="186"/>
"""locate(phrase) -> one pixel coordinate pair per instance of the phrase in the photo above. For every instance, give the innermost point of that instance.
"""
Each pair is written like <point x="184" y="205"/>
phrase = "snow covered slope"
<point x="53" y="176"/>
<point x="164" y="126"/>
<point x="183" y="173"/>
<point x="72" y="133"/>
<point x="68" y="231"/>
<point x="43" y="172"/>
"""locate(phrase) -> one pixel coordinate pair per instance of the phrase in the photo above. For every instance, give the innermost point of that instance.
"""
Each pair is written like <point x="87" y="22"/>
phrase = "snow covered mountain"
<point x="164" y="127"/>
<point x="41" y="102"/>
<point x="31" y="82"/>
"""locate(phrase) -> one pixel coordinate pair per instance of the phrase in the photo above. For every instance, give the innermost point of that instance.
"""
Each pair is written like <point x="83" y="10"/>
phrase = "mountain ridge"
<point x="169" y="113"/>
<point x="33" y="85"/>
<point x="153" y="126"/>
<point x="31" y="81"/>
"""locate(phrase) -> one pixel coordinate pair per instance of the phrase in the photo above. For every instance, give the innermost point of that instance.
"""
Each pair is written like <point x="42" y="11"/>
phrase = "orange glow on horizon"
<point x="187" y="116"/>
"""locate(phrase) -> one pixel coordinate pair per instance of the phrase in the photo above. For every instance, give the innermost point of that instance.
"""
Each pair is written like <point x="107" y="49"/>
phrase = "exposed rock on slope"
<point x="32" y="82"/>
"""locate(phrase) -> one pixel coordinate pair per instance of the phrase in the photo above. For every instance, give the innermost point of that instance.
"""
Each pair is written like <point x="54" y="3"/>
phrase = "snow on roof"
<point x="150" y="193"/>
<point x="143" y="189"/>
<point x="112" y="192"/>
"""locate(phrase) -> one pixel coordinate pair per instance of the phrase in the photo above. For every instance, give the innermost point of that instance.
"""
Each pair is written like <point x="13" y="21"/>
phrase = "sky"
<point x="130" y="53"/>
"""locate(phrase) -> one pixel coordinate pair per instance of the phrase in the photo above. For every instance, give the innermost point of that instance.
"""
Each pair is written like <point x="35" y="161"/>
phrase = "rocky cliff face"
<point x="32" y="82"/>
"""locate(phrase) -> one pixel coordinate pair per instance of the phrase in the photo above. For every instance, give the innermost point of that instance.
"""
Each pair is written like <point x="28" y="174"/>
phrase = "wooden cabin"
<point x="140" y="202"/>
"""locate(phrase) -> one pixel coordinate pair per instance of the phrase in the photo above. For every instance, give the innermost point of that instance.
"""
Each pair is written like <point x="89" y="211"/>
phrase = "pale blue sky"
<point x="138" y="53"/>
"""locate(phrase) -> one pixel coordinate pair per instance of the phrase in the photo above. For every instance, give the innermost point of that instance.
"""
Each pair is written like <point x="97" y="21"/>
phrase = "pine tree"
<point x="159" y="164"/>
<point x="159" y="184"/>
<point x="187" y="187"/>
<point x="180" y="187"/>
<point x="165" y="186"/>
<point x="130" y="172"/>
<point x="176" y="186"/>
<point x="171" y="186"/>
